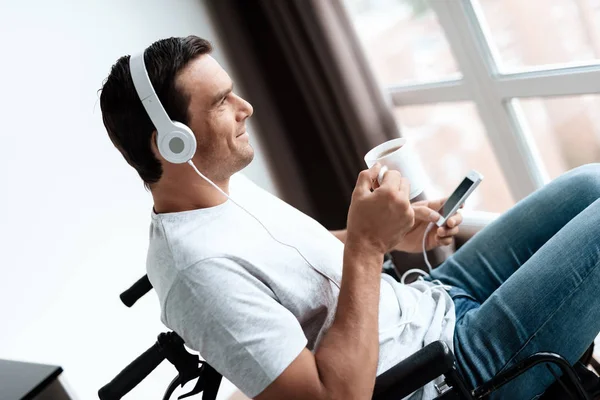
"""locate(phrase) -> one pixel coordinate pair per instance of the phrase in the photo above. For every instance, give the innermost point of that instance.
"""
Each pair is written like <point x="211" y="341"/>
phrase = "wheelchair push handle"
<point x="136" y="291"/>
<point x="133" y="374"/>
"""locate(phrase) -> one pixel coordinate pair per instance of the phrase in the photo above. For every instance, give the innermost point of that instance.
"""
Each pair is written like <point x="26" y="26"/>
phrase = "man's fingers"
<point x="423" y="213"/>
<point x="455" y="220"/>
<point x="446" y="232"/>
<point x="437" y="204"/>
<point x="392" y="179"/>
<point x="445" y="241"/>
<point x="367" y="177"/>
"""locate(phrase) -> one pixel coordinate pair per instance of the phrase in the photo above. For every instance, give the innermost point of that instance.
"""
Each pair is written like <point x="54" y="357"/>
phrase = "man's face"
<point x="217" y="118"/>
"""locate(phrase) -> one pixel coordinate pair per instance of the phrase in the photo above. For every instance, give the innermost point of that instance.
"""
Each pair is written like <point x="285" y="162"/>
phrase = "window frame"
<point x="492" y="91"/>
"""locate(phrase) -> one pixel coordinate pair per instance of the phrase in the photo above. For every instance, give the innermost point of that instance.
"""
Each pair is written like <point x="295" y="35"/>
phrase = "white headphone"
<point x="176" y="141"/>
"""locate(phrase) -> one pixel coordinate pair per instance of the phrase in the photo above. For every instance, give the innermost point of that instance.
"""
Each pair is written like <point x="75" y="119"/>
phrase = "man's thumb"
<point x="423" y="213"/>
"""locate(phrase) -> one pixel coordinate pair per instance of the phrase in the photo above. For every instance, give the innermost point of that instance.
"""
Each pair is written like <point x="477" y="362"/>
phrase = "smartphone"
<point x="458" y="197"/>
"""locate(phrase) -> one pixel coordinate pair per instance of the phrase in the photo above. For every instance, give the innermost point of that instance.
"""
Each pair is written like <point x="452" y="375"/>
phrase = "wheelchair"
<point x="414" y="372"/>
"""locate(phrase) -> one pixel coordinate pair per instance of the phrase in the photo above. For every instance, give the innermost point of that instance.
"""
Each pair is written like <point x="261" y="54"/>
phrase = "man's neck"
<point x="175" y="196"/>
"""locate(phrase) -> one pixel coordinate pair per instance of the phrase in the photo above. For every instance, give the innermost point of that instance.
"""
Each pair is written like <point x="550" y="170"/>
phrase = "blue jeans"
<point x="529" y="282"/>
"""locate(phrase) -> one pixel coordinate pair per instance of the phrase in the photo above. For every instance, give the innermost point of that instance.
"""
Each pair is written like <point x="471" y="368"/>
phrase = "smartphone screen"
<point x="456" y="196"/>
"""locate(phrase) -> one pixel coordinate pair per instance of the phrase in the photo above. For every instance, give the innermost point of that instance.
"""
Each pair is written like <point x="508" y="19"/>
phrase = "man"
<point x="286" y="310"/>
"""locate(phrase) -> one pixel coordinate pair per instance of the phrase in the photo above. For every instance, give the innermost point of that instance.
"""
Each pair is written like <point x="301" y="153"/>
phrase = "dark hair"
<point x="129" y="126"/>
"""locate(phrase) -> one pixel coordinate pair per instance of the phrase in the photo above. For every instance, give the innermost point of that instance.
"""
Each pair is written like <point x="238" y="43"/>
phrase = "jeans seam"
<point x="550" y="317"/>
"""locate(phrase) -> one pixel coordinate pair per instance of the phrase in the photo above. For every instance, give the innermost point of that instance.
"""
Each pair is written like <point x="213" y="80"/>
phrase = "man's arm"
<point x="345" y="364"/>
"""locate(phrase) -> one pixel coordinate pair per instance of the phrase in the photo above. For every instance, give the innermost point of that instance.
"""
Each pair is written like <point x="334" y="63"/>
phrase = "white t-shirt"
<point x="249" y="304"/>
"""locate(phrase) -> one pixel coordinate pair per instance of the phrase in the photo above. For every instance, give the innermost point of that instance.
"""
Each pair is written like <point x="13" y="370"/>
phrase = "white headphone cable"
<point x="438" y="285"/>
<point x="190" y="162"/>
<point x="417" y="270"/>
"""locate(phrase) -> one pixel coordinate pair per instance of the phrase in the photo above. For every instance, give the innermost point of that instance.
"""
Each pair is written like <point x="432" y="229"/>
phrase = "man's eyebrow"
<point x="219" y="96"/>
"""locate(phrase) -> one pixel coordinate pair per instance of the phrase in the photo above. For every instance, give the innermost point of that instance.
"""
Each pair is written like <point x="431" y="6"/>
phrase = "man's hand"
<point x="379" y="218"/>
<point x="426" y="212"/>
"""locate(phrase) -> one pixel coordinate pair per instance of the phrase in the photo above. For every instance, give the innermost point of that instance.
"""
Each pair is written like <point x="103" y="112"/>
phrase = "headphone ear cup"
<point x="177" y="146"/>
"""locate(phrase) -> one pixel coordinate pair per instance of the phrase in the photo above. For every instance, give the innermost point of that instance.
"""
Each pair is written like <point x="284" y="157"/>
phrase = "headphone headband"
<point x="147" y="95"/>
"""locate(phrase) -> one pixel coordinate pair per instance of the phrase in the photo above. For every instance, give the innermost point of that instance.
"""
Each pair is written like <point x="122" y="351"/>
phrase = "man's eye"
<point x="223" y="101"/>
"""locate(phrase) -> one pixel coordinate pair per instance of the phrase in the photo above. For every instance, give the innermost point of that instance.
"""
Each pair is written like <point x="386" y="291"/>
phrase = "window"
<point x="562" y="32"/>
<point x="566" y="130"/>
<point x="420" y="51"/>
<point x="506" y="87"/>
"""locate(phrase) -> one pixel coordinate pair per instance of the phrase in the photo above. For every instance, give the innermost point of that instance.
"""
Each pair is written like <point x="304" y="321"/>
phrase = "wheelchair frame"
<point x="427" y="364"/>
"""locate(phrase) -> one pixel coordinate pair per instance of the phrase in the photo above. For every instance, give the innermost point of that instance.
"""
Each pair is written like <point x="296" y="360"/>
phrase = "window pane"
<point x="566" y="130"/>
<point x="403" y="40"/>
<point x="451" y="141"/>
<point x="541" y="33"/>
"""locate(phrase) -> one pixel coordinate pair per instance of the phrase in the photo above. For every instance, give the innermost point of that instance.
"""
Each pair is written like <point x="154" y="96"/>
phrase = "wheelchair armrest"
<point x="414" y="372"/>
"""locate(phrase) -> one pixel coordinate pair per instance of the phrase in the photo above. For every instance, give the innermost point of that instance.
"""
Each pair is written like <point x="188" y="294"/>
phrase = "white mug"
<point x="403" y="159"/>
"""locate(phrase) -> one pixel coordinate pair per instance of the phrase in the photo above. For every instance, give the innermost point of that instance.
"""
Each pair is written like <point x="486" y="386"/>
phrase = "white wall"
<point x="75" y="216"/>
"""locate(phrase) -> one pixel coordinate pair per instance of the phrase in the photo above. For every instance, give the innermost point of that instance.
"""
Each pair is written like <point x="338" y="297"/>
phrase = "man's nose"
<point x="250" y="108"/>
<point x="246" y="110"/>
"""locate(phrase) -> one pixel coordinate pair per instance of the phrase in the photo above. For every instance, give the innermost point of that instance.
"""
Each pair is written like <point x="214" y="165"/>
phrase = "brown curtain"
<point x="323" y="53"/>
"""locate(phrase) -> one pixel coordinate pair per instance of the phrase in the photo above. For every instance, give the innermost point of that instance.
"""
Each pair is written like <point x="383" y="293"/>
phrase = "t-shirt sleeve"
<point x="233" y="319"/>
